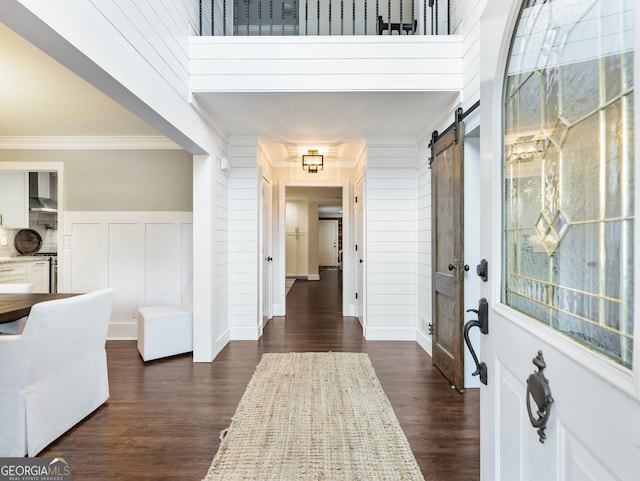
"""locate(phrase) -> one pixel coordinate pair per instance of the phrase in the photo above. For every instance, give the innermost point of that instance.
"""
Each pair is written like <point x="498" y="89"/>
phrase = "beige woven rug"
<point x="314" y="416"/>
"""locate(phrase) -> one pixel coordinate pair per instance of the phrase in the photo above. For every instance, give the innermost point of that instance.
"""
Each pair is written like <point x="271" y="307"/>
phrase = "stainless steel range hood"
<point x="43" y="192"/>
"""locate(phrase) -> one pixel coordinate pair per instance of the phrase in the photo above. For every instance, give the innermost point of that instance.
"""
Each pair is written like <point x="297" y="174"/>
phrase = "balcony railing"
<point x="324" y="17"/>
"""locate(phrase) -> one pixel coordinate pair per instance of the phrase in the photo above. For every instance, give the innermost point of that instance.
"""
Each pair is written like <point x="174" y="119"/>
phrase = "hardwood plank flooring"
<point x="163" y="418"/>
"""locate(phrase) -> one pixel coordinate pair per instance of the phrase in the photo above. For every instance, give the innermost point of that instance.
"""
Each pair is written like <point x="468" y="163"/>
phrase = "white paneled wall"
<point x="145" y="256"/>
<point x="391" y="254"/>
<point x="243" y="221"/>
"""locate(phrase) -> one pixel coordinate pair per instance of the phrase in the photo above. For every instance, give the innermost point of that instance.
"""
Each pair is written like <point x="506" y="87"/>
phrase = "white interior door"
<point x="328" y="243"/>
<point x="560" y="247"/>
<point x="267" y="253"/>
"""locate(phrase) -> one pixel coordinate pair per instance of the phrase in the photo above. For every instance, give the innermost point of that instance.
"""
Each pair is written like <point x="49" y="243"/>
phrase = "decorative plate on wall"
<point x="27" y="241"/>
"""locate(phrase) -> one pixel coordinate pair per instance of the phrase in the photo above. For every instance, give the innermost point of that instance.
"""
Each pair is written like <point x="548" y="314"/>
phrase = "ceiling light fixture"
<point x="313" y="162"/>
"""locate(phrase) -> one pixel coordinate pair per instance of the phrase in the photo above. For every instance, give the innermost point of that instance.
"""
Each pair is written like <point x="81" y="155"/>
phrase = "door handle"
<point x="483" y="323"/>
<point x="538" y="388"/>
<point x="361" y="261"/>
<point x="269" y="259"/>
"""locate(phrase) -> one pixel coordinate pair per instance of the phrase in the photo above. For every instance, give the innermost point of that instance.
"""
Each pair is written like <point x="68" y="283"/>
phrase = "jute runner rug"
<point x="314" y="416"/>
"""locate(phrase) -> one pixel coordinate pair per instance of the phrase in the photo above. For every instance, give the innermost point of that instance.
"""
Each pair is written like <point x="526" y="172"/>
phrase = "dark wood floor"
<point x="163" y="418"/>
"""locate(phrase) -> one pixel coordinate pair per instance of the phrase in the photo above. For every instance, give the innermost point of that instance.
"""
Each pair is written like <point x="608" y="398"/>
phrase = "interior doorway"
<point x="303" y="208"/>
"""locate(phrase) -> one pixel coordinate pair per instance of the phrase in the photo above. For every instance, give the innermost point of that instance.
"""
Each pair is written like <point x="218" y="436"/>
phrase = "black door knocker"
<point x="538" y="388"/>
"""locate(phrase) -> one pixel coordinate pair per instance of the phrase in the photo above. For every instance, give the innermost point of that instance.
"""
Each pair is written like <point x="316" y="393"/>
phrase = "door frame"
<point x="348" y="296"/>
<point x="265" y="248"/>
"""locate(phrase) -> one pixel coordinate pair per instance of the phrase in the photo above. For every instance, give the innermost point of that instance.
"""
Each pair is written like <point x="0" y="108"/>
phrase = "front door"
<point x="558" y="159"/>
<point x="447" y="194"/>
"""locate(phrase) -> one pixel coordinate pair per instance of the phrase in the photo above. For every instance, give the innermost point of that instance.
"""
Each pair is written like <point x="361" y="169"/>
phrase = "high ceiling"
<point x="40" y="97"/>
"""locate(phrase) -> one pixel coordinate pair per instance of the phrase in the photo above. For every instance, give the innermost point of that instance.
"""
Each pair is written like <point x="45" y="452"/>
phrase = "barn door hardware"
<point x="538" y="388"/>
<point x="459" y="116"/>
<point x="483" y="323"/>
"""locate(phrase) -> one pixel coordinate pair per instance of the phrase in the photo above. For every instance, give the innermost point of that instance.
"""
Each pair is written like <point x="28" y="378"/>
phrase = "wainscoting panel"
<point x="146" y="256"/>
<point x="123" y="264"/>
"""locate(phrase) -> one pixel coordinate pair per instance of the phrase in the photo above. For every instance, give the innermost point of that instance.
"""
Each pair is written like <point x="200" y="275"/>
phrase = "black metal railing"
<point x="324" y="17"/>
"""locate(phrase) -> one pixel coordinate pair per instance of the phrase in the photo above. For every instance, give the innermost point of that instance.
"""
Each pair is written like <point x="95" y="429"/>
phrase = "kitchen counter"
<point x="6" y="260"/>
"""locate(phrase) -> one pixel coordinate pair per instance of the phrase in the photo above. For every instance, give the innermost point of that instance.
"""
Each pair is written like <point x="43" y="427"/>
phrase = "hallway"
<point x="164" y="418"/>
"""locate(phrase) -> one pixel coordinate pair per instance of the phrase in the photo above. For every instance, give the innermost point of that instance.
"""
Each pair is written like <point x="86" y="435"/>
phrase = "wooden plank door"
<point x="447" y="191"/>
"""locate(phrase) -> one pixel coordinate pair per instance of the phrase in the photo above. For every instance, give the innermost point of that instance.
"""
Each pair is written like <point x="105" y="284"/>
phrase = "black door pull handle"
<point x="483" y="324"/>
<point x="538" y="388"/>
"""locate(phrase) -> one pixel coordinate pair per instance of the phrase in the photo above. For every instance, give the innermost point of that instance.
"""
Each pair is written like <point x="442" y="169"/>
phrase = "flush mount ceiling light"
<point x="313" y="162"/>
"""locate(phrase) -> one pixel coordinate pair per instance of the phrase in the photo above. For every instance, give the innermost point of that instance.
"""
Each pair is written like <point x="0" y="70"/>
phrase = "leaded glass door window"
<point x="569" y="171"/>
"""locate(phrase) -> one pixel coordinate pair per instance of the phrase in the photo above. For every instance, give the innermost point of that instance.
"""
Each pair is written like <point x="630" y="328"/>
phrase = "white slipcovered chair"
<point x="54" y="374"/>
<point x="15" y="327"/>
<point x="167" y="330"/>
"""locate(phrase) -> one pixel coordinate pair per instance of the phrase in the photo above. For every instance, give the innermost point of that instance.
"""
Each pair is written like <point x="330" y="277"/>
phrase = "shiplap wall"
<point x="391" y="239"/>
<point x="243" y="222"/>
<point x="347" y="63"/>
<point x="222" y="251"/>
<point x="145" y="256"/>
<point x="159" y="31"/>
<point x="471" y="55"/>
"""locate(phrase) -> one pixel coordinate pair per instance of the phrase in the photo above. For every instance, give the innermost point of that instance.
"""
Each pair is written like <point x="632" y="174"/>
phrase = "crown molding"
<point x="115" y="142"/>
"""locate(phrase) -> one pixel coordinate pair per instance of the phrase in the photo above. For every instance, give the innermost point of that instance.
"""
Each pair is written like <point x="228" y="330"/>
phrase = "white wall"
<point x="391" y="239"/>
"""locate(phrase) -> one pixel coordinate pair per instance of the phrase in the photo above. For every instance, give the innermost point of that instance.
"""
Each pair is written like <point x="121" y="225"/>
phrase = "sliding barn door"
<point x="447" y="181"/>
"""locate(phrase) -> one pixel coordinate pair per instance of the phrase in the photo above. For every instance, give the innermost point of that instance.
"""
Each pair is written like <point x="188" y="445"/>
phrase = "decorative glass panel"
<point x="569" y="171"/>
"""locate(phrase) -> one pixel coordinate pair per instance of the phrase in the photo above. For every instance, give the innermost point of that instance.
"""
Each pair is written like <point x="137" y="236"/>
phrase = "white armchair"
<point x="167" y="330"/>
<point x="54" y="374"/>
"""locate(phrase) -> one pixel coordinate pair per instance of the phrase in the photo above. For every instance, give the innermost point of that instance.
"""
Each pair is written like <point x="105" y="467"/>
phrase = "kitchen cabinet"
<point x="38" y="275"/>
<point x="13" y="273"/>
<point x="14" y="199"/>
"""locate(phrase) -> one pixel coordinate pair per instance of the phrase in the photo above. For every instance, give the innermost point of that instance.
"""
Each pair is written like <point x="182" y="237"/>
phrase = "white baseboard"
<point x="221" y="342"/>
<point x="123" y="331"/>
<point x="350" y="311"/>
<point x="278" y="310"/>
<point x="241" y="333"/>
<point x="424" y="342"/>
<point x="313" y="277"/>
<point x="390" y="333"/>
